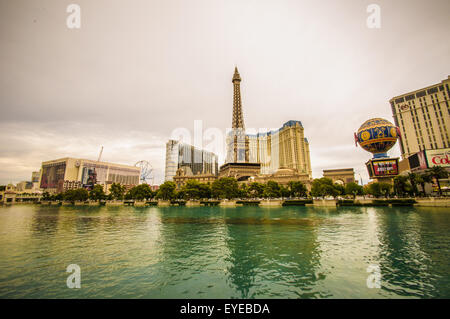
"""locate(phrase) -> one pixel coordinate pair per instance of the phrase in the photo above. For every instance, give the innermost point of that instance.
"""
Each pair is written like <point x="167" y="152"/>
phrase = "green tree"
<point x="244" y="191"/>
<point x="379" y="189"/>
<point x="297" y="189"/>
<point x="401" y="186"/>
<point x="340" y="189"/>
<point x="413" y="180"/>
<point x="205" y="190"/>
<point x="59" y="196"/>
<point x="272" y="189"/>
<point x="181" y="194"/>
<point x="353" y="189"/>
<point x="80" y="194"/>
<point x="195" y="190"/>
<point x="140" y="192"/>
<point x="256" y="189"/>
<point x="385" y="189"/>
<point x="285" y="191"/>
<point x="46" y="196"/>
<point x="438" y="172"/>
<point x="322" y="187"/>
<point x="423" y="179"/>
<point x="97" y="193"/>
<point x="117" y="191"/>
<point x="225" y="187"/>
<point x="167" y="190"/>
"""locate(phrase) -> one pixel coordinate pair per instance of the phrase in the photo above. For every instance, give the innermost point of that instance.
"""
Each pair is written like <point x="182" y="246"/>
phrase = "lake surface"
<point x="213" y="252"/>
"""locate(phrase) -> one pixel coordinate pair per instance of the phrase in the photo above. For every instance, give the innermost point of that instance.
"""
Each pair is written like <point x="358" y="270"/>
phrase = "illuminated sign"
<point x="439" y="157"/>
<point x="383" y="167"/>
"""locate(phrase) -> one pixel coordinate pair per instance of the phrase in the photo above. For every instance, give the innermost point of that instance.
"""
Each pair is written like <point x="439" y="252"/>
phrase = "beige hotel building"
<point x="423" y="117"/>
<point x="284" y="148"/>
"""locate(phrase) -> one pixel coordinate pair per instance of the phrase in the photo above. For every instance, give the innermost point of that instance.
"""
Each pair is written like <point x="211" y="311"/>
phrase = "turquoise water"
<point x="212" y="252"/>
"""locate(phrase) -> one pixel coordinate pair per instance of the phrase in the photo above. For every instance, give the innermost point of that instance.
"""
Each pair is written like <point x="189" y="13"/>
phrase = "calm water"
<point x="212" y="252"/>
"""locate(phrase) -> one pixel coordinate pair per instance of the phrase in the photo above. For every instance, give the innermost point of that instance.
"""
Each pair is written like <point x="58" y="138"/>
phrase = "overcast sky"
<point x="136" y="70"/>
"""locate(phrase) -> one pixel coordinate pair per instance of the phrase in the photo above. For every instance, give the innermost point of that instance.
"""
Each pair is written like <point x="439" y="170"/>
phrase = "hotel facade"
<point x="286" y="147"/>
<point x="71" y="173"/>
<point x="423" y="117"/>
<point x="191" y="160"/>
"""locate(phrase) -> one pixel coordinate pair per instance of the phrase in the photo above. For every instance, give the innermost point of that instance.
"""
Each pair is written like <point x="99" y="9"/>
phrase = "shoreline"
<point x="329" y="203"/>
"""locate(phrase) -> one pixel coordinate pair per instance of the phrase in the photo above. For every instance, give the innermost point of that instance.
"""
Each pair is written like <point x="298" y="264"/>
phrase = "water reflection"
<point x="210" y="252"/>
<point x="272" y="256"/>
<point x="45" y="221"/>
<point x="192" y="252"/>
<point x="409" y="260"/>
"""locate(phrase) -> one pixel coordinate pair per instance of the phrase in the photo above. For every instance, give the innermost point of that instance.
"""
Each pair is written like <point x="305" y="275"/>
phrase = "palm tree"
<point x="438" y="172"/>
<point x="413" y="180"/>
<point x="400" y="185"/>
<point x="423" y="179"/>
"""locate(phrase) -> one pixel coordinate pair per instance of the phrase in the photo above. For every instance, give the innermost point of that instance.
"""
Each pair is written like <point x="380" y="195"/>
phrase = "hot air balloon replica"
<point x="378" y="136"/>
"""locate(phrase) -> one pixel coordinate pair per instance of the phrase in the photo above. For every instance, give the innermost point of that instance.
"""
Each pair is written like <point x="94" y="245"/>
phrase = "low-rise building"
<point x="70" y="173"/>
<point x="181" y="178"/>
<point x="283" y="176"/>
<point x="340" y="176"/>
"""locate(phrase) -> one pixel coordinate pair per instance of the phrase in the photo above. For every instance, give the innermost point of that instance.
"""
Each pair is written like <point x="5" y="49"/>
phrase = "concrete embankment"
<point x="271" y="203"/>
<point x="324" y="202"/>
<point x="433" y="202"/>
<point x="228" y="203"/>
<point x="419" y="202"/>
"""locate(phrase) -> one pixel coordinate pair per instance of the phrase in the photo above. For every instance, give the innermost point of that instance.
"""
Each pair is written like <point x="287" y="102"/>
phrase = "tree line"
<point x="229" y="188"/>
<point x="222" y="188"/>
<point x="408" y="185"/>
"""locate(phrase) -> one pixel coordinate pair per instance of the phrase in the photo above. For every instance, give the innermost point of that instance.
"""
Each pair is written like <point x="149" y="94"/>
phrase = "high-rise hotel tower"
<point x="192" y="160"/>
<point x="286" y="147"/>
<point x="423" y="117"/>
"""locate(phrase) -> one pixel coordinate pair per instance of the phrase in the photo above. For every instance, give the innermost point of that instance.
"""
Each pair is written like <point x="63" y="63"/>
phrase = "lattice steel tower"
<point x="240" y="139"/>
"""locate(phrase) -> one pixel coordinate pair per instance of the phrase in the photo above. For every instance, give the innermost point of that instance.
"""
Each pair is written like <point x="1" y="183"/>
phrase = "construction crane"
<point x="100" y="155"/>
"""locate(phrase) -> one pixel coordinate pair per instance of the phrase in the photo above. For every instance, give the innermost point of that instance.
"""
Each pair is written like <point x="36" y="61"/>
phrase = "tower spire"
<point x="240" y="145"/>
<point x="236" y="76"/>
<point x="238" y="118"/>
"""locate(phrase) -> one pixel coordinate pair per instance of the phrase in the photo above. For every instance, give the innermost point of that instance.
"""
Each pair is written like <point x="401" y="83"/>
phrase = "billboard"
<point x="383" y="167"/>
<point x="88" y="177"/>
<point x="418" y="161"/>
<point x="53" y="175"/>
<point x="439" y="157"/>
<point x="93" y="174"/>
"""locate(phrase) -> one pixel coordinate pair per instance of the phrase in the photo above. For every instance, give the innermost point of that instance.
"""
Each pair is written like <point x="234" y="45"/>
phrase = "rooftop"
<point x="290" y="123"/>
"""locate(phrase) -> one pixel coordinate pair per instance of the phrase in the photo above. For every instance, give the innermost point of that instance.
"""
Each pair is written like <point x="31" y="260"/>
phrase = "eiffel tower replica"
<point x="237" y="163"/>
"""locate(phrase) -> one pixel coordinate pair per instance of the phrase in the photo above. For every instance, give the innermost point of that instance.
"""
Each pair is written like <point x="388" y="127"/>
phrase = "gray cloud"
<point x="137" y="70"/>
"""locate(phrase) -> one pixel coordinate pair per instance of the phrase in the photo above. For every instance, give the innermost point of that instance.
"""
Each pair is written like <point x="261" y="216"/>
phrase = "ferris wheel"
<point x="146" y="172"/>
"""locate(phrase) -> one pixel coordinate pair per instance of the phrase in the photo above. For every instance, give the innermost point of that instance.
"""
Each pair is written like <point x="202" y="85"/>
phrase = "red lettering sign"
<point x="440" y="160"/>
